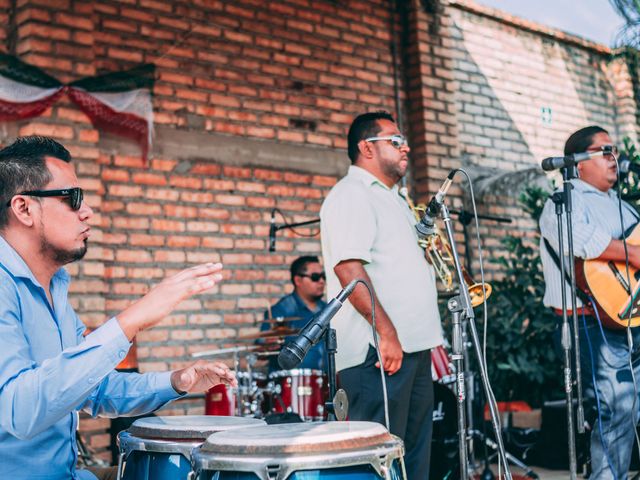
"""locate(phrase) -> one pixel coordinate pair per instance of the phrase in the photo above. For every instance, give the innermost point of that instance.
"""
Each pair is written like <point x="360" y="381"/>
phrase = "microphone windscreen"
<point x="287" y="359"/>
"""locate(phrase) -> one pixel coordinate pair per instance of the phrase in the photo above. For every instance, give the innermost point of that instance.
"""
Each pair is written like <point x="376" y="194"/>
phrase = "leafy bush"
<point x="521" y="359"/>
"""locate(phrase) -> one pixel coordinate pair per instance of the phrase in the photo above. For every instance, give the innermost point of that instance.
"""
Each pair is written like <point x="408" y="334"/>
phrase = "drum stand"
<point x="462" y="310"/>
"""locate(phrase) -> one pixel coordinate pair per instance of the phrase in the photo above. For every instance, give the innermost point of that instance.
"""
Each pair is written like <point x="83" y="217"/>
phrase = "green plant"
<point x="521" y="359"/>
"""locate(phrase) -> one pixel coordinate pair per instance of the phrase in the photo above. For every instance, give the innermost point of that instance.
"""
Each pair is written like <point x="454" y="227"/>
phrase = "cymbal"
<point x="277" y="331"/>
<point x="263" y="349"/>
<point x="278" y="320"/>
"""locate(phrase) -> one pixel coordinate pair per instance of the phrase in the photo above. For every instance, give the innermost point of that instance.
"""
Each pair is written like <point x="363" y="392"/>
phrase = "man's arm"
<point x="390" y="348"/>
<point x="164" y="297"/>
<point x="38" y="395"/>
<point x="615" y="252"/>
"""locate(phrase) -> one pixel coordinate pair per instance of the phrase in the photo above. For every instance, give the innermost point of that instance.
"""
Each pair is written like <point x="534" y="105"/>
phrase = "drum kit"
<point x="300" y="391"/>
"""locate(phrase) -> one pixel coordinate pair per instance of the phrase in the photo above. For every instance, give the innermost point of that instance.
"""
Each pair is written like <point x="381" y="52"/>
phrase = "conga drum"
<point x="302" y="451"/>
<point x="159" y="448"/>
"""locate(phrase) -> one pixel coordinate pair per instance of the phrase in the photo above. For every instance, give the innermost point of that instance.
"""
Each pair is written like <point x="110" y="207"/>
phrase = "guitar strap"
<point x="579" y="293"/>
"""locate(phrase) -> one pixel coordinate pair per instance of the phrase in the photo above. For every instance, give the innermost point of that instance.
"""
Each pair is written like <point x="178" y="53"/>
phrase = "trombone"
<point x="439" y="254"/>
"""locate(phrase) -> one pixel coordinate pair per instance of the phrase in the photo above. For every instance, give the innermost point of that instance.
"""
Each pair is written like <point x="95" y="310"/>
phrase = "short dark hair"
<point x="582" y="139"/>
<point x="23" y="167"/>
<point x="299" y="265"/>
<point x="364" y="126"/>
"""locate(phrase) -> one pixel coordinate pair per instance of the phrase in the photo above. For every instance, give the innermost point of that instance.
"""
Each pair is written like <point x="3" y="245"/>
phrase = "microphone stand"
<point x="461" y="309"/>
<point x="562" y="201"/>
<point x="331" y="346"/>
<point x="276" y="228"/>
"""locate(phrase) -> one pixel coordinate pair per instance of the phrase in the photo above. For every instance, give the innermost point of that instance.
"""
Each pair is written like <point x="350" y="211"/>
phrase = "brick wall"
<point x="252" y="102"/>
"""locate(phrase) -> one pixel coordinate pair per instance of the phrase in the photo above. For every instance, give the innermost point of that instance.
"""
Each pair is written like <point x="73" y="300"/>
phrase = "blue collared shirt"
<point x="292" y="306"/>
<point x="49" y="371"/>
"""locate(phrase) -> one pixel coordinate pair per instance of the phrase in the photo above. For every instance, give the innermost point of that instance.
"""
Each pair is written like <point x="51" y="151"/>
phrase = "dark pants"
<point x="410" y="393"/>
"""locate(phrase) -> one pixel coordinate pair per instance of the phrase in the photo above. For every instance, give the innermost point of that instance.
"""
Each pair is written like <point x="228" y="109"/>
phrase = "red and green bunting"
<point x="119" y="102"/>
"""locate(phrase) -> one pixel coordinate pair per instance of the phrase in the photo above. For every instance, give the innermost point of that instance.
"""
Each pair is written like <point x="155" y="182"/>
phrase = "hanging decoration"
<point x="118" y="102"/>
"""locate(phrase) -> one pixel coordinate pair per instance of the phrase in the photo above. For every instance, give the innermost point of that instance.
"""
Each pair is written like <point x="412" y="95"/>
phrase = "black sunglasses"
<point x="314" y="277"/>
<point x="75" y="195"/>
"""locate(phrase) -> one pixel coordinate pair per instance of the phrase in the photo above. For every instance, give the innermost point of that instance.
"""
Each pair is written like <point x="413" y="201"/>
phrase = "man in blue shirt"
<point x="48" y="370"/>
<point x="308" y="279"/>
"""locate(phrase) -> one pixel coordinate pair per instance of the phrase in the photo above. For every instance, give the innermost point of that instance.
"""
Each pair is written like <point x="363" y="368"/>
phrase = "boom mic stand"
<point x="462" y="310"/>
<point x="275" y="227"/>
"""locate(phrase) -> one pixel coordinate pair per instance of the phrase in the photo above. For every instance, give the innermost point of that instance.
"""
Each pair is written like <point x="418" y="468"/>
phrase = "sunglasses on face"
<point x="605" y="149"/>
<point x="74" y="195"/>
<point x="397" y="141"/>
<point x="314" y="277"/>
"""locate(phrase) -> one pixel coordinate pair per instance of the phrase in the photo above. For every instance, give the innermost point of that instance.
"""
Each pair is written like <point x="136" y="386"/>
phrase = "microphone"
<point x="295" y="350"/>
<point x="272" y="232"/>
<point x="553" y="163"/>
<point x="426" y="226"/>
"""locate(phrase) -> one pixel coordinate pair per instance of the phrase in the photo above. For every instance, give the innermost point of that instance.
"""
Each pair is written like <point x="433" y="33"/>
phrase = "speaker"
<point x="552" y="448"/>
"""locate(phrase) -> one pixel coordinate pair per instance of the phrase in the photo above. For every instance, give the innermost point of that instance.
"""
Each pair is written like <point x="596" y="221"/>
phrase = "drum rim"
<point x="249" y="375"/>
<point x="296" y="372"/>
<point x="380" y="457"/>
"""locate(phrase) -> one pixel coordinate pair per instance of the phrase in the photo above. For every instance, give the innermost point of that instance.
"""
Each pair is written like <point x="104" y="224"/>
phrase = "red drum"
<point x="302" y="391"/>
<point x="245" y="401"/>
<point x="220" y="400"/>
<point x="442" y="369"/>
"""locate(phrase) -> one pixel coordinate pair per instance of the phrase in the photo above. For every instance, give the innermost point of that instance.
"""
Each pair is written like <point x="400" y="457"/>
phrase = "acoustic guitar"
<point x="606" y="282"/>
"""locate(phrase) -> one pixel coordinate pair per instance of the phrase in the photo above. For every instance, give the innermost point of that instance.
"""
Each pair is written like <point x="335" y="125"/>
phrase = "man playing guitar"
<point x="606" y="376"/>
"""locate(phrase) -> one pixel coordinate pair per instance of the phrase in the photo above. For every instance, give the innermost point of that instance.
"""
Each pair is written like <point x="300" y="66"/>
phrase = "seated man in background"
<point x="48" y="370"/>
<point x="308" y="279"/>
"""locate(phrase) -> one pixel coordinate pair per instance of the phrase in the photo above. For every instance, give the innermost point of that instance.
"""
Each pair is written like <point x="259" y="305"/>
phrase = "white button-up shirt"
<point x="363" y="219"/>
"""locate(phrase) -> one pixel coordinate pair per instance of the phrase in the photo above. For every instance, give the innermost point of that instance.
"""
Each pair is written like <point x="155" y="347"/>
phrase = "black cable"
<point x="634" y="418"/>
<point x="288" y="224"/>
<point x="377" y="347"/>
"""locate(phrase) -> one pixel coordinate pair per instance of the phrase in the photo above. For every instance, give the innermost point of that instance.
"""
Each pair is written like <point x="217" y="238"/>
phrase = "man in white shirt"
<point x="607" y="379"/>
<point x="368" y="233"/>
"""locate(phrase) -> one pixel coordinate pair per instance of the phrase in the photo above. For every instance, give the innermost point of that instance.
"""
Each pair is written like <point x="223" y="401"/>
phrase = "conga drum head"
<point x="286" y="449"/>
<point x="197" y="427"/>
<point x="160" y="448"/>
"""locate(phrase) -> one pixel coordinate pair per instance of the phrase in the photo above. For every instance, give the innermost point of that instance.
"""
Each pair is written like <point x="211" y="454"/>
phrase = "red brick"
<point x="170" y="256"/>
<point x="185" y="182"/>
<point x="187" y="242"/>
<point x="149" y="179"/>
<point x="217" y="242"/>
<point x="133" y="256"/>
<point x="138" y="239"/>
<point x="196" y="197"/>
<point x="167" y="225"/>
<point x="143" y="208"/>
<point x="206" y="169"/>
<point x="235" y="200"/>
<point x="57" y="131"/>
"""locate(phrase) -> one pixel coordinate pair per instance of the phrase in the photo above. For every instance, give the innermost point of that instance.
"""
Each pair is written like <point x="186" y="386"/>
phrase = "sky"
<point x="594" y="20"/>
